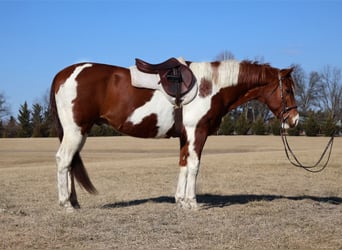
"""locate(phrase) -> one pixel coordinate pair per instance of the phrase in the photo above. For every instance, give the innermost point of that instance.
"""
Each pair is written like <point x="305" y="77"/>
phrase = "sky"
<point x="39" y="38"/>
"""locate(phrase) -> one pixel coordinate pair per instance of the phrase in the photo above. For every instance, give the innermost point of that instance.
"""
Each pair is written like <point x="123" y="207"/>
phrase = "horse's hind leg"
<point x="71" y="143"/>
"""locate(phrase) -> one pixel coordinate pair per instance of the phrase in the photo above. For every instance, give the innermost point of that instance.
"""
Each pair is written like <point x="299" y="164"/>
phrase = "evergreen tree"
<point x="227" y="125"/>
<point x="24" y="119"/>
<point x="329" y="127"/>
<point x="259" y="127"/>
<point x="2" y="129"/>
<point x="275" y="126"/>
<point x="295" y="131"/>
<point x="11" y="128"/>
<point x="37" y="120"/>
<point x="311" y="125"/>
<point x="49" y="128"/>
<point x="103" y="130"/>
<point x="242" y="125"/>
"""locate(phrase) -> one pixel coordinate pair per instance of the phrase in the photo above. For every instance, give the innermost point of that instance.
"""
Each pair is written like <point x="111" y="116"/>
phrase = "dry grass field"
<point x="250" y="196"/>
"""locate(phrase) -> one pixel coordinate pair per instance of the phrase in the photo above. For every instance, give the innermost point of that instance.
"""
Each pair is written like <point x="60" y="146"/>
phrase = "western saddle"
<point x="176" y="79"/>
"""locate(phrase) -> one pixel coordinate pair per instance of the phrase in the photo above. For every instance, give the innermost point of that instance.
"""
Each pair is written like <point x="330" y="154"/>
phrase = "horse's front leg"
<point x="183" y="170"/>
<point x="191" y="150"/>
<point x="186" y="188"/>
<point x="181" y="186"/>
<point x="190" y="201"/>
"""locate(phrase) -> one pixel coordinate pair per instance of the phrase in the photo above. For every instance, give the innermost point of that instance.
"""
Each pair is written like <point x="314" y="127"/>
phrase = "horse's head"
<point x="280" y="98"/>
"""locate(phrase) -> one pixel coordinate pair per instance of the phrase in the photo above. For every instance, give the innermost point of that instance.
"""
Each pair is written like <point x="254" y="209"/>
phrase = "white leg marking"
<point x="70" y="145"/>
<point x="190" y="194"/>
<point x="186" y="188"/>
<point x="72" y="140"/>
<point x="193" y="166"/>
<point x="180" y="193"/>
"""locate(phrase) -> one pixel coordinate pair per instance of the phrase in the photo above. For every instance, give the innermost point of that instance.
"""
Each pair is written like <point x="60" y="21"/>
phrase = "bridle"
<point x="283" y="116"/>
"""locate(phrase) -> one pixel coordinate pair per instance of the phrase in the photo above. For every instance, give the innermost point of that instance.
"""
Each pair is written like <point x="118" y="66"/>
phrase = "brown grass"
<point x="251" y="196"/>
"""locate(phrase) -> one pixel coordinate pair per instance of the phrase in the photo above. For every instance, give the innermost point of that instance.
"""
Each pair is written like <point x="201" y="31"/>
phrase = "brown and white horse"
<point x="85" y="94"/>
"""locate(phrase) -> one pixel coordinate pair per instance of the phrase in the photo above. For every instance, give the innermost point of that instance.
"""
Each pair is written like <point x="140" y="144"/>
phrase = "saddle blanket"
<point x="152" y="81"/>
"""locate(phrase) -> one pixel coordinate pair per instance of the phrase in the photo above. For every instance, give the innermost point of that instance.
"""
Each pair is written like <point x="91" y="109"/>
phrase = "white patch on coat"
<point x="227" y="75"/>
<point x="66" y="94"/>
<point x="159" y="106"/>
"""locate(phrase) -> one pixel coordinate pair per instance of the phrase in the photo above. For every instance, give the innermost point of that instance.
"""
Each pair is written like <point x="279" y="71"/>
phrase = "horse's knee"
<point x="193" y="166"/>
<point x="193" y="170"/>
<point x="64" y="157"/>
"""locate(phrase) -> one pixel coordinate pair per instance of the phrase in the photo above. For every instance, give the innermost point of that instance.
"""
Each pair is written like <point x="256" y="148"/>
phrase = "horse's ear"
<point x="286" y="72"/>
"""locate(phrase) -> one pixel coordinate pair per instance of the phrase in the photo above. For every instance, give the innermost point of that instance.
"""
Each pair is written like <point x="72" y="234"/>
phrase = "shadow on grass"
<point x="212" y="200"/>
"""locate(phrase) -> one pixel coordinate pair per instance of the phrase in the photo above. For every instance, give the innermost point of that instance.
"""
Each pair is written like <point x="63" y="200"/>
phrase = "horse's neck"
<point x="221" y="74"/>
<point x="245" y="91"/>
<point x="251" y="93"/>
<point x="242" y="79"/>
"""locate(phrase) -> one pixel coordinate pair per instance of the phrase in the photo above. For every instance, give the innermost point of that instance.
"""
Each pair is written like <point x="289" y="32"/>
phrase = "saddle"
<point x="176" y="78"/>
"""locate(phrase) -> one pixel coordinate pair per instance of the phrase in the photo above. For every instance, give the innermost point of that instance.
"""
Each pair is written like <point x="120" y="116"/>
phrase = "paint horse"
<point x="85" y="94"/>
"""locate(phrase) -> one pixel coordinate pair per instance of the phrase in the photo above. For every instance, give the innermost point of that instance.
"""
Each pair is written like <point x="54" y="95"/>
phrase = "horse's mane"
<point x="252" y="72"/>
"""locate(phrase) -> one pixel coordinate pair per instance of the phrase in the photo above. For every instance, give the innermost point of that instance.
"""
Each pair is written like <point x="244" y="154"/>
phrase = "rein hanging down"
<point x="315" y="168"/>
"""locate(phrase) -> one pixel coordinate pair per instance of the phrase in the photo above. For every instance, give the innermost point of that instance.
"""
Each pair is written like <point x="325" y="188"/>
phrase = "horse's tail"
<point x="54" y="113"/>
<point x="77" y="168"/>
<point x="79" y="171"/>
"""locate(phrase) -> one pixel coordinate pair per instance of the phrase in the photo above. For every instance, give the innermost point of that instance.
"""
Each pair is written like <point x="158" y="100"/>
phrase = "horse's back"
<point x="92" y="71"/>
<point x="88" y="89"/>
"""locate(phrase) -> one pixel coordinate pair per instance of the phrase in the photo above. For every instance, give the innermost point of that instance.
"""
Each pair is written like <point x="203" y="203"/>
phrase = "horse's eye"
<point x="288" y="91"/>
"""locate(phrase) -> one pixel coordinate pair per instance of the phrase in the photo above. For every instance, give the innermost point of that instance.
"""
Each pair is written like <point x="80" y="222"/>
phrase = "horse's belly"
<point x="153" y="119"/>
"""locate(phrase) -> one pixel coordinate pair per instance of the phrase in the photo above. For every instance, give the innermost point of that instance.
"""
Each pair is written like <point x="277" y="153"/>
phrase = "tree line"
<point x="318" y="96"/>
<point x="36" y="122"/>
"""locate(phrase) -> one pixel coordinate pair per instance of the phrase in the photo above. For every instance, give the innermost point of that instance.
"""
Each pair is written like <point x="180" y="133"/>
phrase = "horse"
<point x="88" y="93"/>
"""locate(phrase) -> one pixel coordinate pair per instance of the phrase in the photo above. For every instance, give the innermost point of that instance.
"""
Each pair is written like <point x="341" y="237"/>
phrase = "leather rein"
<point x="315" y="168"/>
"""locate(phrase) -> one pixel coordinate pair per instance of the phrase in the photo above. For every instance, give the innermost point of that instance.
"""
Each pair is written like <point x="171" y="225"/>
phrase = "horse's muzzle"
<point x="290" y="121"/>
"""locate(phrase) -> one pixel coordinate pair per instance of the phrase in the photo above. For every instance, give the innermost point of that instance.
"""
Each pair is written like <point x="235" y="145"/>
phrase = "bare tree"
<point x="307" y="89"/>
<point x="224" y="56"/>
<point x="331" y="91"/>
<point x="4" y="108"/>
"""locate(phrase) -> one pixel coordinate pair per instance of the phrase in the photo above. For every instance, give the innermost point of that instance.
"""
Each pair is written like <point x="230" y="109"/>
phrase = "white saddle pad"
<point x="151" y="81"/>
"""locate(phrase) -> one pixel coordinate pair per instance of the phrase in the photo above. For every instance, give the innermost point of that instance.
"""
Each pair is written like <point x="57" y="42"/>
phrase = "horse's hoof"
<point x="70" y="210"/>
<point x="68" y="207"/>
<point x="188" y="204"/>
<point x="75" y="205"/>
<point x="192" y="204"/>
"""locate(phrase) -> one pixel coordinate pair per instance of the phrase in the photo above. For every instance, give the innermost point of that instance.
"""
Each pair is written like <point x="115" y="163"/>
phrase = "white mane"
<point x="225" y="75"/>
